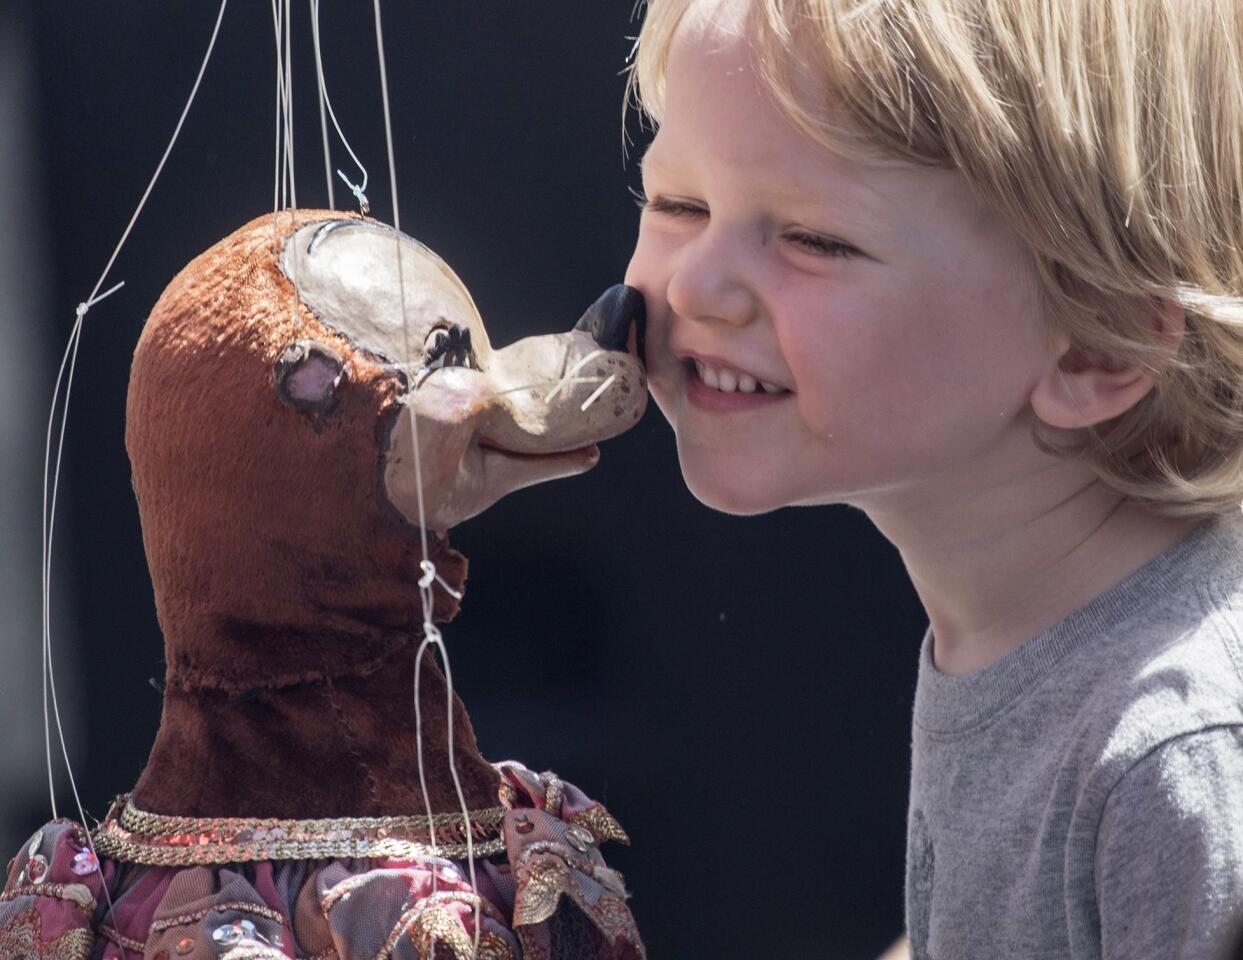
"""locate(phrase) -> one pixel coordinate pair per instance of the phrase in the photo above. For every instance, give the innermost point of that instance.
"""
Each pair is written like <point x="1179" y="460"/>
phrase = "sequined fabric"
<point x="47" y="906"/>
<point x="547" y="895"/>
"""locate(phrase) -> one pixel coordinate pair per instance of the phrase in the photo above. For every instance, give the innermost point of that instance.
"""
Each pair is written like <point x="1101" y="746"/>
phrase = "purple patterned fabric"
<point x="549" y="897"/>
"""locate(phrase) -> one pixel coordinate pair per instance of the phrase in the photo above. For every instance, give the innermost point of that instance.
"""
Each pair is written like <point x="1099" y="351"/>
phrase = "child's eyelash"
<point x="676" y="208"/>
<point x="823" y="245"/>
<point x="813" y="243"/>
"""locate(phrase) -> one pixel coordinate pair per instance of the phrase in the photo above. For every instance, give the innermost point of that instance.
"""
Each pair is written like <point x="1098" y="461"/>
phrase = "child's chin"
<point x="727" y="494"/>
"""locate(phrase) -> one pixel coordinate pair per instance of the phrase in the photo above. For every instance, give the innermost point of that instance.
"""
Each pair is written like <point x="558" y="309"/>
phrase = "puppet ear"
<point x="308" y="375"/>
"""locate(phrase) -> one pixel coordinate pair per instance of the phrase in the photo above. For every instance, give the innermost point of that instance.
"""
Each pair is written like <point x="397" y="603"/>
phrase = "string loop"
<point x="425" y="582"/>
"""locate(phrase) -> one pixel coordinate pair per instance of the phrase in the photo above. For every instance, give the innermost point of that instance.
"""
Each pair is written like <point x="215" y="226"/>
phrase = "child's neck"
<point x="997" y="567"/>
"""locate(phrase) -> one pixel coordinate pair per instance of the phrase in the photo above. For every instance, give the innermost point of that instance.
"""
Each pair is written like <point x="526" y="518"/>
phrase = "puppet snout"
<point x="533" y="411"/>
<point x="561" y="392"/>
<point x="611" y="318"/>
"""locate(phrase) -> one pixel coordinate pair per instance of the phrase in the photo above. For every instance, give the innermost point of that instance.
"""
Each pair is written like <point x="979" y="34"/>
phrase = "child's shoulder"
<point x="1171" y="673"/>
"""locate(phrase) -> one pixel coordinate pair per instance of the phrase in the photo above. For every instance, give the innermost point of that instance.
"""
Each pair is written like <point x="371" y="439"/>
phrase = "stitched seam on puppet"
<point x="351" y="742"/>
<point x="190" y="679"/>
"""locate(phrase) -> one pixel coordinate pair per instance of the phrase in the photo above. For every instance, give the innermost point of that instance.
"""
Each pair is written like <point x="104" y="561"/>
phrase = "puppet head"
<point x="269" y="430"/>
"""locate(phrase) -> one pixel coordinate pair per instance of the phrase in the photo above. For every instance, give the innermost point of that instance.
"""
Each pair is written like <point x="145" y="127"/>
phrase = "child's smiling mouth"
<point x="720" y="388"/>
<point x="727" y="379"/>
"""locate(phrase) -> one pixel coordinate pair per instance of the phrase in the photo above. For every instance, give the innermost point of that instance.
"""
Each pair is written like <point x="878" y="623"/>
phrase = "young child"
<point x="976" y="268"/>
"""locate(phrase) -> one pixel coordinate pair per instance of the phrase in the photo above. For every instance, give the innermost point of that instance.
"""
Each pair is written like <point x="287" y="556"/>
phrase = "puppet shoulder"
<point x="53" y="887"/>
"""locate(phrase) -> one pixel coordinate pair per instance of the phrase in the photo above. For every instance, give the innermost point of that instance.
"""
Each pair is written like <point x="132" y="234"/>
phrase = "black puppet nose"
<point x="609" y="319"/>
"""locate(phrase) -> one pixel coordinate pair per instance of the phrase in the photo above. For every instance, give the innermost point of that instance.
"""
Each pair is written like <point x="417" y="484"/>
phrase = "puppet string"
<point x="323" y="117"/>
<point x="65" y="375"/>
<point x="291" y="193"/>
<point x="69" y="360"/>
<point x="284" y="192"/>
<point x="431" y="635"/>
<point x="276" y="152"/>
<point x="355" y="188"/>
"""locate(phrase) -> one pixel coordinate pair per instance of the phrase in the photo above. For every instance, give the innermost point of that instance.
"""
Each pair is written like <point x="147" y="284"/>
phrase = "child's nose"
<point x="707" y="283"/>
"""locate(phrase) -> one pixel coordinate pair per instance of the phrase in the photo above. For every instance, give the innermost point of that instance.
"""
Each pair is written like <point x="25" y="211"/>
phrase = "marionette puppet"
<point x="293" y="804"/>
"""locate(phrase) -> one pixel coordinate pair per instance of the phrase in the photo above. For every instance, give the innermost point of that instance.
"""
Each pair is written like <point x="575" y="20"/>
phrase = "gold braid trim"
<point x="129" y="943"/>
<point x="135" y="836"/>
<point x="240" y="906"/>
<point x="601" y="823"/>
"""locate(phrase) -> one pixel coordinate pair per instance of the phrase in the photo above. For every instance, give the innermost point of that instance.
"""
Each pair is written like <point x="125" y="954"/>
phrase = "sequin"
<point x="184" y="945"/>
<point x="84" y="863"/>
<point x="580" y="838"/>
<point x="235" y="932"/>
<point x="36" y="868"/>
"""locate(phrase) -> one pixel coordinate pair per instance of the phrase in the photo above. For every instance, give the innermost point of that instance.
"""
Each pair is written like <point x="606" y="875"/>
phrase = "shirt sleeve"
<point x="1169" y="854"/>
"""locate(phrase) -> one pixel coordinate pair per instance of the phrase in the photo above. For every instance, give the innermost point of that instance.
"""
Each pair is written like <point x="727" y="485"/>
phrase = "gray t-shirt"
<point x="1082" y="797"/>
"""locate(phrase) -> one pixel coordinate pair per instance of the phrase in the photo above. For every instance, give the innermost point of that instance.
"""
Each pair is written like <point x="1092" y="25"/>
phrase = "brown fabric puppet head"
<point x="269" y="431"/>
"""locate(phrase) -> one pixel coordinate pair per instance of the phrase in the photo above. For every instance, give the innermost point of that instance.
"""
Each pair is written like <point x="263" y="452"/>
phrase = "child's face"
<point x="906" y="357"/>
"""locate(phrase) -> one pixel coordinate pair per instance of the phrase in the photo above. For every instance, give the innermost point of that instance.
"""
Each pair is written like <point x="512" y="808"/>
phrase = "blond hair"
<point x="1107" y="133"/>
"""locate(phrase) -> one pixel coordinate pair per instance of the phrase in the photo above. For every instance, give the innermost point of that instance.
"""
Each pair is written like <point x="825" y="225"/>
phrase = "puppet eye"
<point x="448" y="347"/>
<point x="308" y="375"/>
<point x="436" y="342"/>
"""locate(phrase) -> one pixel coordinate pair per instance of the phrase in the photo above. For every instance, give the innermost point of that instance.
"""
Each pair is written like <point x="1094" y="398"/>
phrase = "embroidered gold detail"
<point x="554" y="793"/>
<point x="506" y="793"/>
<point x="241" y="906"/>
<point x="601" y="823"/>
<point x="22" y="937"/>
<point x="429" y="927"/>
<point x="547" y="879"/>
<point x="492" y="946"/>
<point x="135" y="836"/>
<point x="433" y="929"/>
<point x="547" y="871"/>
<point x="129" y="943"/>
<point x="76" y="893"/>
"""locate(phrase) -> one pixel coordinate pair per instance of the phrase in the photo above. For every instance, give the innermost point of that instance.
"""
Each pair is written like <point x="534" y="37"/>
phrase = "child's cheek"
<point x="645" y="275"/>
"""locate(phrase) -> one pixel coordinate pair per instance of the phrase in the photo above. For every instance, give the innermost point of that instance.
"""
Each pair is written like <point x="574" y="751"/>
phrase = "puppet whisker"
<point x="582" y="362"/>
<point x="543" y="383"/>
<point x="422" y="373"/>
<point x="599" y="391"/>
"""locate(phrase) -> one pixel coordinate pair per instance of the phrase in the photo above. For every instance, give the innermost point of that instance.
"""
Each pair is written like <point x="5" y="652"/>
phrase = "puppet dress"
<point x="343" y="889"/>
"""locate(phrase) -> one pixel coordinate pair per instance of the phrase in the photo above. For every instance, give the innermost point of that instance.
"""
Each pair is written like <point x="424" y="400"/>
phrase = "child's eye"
<point x="670" y="207"/>
<point x="822" y="246"/>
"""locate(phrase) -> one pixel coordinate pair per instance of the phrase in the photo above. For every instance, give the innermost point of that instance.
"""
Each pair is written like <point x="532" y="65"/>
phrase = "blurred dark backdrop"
<point x="737" y="690"/>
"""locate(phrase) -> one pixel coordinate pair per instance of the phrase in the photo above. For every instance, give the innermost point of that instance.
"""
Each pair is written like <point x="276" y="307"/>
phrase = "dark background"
<point x="738" y="691"/>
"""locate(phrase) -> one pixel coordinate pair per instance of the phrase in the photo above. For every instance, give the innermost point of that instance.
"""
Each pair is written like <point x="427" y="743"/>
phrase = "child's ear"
<point x="1086" y="387"/>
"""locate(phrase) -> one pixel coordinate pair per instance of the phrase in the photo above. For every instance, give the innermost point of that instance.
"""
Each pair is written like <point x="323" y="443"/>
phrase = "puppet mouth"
<point x="588" y="454"/>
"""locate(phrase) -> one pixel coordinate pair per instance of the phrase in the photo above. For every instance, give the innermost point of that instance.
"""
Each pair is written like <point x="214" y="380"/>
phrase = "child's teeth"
<point x="727" y="380"/>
